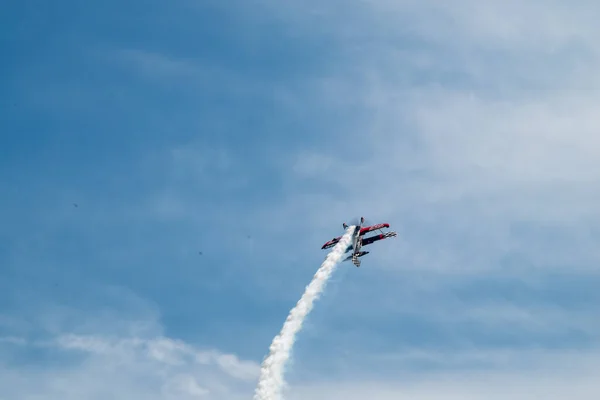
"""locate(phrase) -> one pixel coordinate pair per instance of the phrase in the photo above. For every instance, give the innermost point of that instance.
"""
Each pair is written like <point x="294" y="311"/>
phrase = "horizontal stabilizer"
<point x="355" y="257"/>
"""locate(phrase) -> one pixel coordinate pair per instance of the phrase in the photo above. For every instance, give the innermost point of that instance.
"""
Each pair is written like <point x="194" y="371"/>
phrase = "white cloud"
<point x="465" y="387"/>
<point x="184" y="386"/>
<point x="528" y="134"/>
<point x="472" y="374"/>
<point x="161" y="350"/>
<point x="129" y="367"/>
<point x="506" y="25"/>
<point x="122" y="353"/>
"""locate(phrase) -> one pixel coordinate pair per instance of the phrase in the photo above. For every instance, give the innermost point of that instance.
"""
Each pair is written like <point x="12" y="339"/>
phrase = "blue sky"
<point x="249" y="131"/>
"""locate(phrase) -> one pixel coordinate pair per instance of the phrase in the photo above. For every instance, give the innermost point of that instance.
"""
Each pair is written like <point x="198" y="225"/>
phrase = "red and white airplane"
<point x="358" y="240"/>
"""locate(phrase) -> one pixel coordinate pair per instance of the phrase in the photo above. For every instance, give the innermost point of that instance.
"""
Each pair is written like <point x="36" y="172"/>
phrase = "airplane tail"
<point x="355" y="257"/>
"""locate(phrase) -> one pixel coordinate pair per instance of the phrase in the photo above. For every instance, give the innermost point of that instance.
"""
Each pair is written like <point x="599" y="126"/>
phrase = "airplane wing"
<point x="369" y="240"/>
<point x="371" y="228"/>
<point x="331" y="243"/>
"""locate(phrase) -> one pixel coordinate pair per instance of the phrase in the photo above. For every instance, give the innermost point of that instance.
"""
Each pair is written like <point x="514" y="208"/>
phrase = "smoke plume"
<point x="271" y="380"/>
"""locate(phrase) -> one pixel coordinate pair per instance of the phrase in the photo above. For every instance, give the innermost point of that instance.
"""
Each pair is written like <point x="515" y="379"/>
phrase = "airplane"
<point x="358" y="240"/>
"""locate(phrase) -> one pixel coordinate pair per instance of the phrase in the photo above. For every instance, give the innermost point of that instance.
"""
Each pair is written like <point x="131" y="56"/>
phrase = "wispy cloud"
<point x="162" y="350"/>
<point x="157" y="65"/>
<point x="155" y="367"/>
<point x="554" y="382"/>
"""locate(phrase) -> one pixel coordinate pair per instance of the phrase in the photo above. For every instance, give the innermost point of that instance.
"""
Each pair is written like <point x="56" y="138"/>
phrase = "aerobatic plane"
<point x="358" y="240"/>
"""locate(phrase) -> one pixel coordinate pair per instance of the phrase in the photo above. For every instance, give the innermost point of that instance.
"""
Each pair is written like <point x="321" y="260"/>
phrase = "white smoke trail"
<point x="271" y="380"/>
